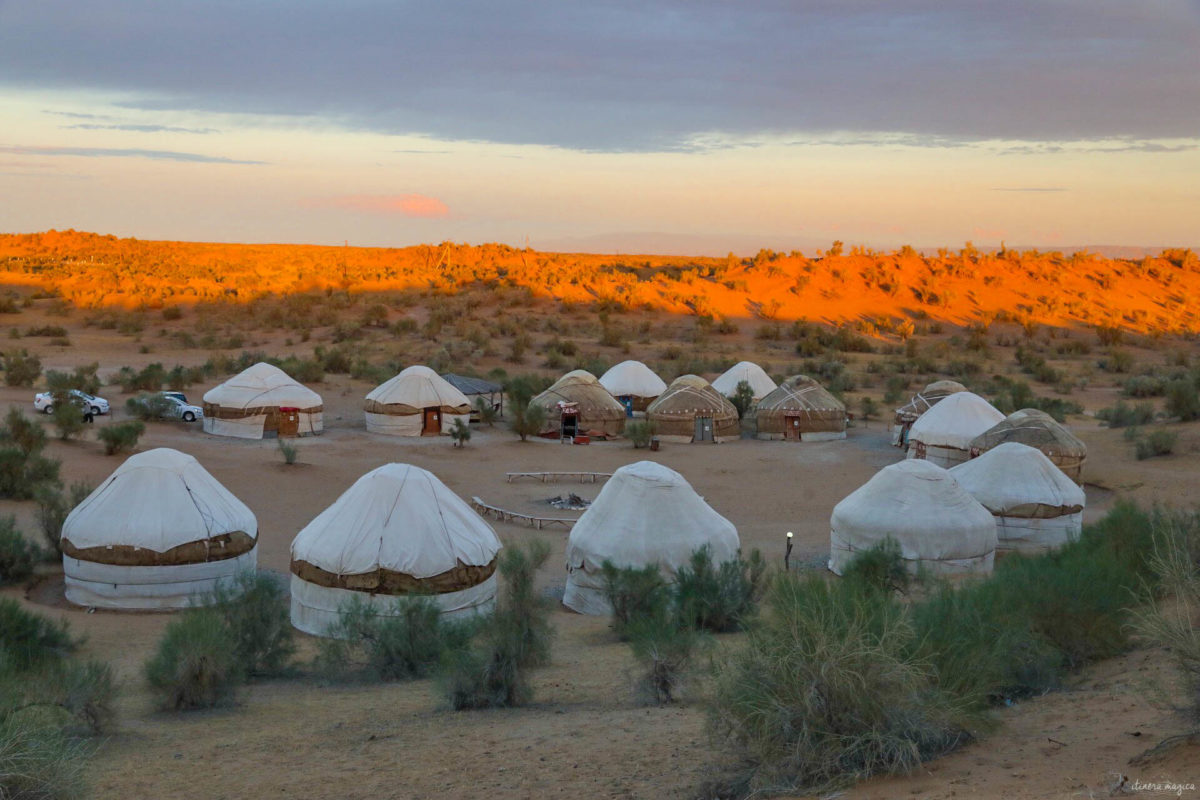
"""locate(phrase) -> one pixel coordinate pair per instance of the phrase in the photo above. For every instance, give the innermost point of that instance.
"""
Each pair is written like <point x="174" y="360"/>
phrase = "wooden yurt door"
<point x="289" y="422"/>
<point x="791" y="428"/>
<point x="431" y="424"/>
<point x="704" y="430"/>
<point x="570" y="426"/>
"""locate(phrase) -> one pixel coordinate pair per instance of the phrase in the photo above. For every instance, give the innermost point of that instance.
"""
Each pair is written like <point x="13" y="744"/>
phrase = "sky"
<point x="690" y="126"/>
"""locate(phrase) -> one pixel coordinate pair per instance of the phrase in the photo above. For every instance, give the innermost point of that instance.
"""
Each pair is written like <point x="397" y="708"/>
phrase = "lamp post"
<point x="787" y="554"/>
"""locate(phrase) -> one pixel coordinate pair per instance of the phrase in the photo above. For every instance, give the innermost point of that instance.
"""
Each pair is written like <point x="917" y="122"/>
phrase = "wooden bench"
<point x="545" y="477"/>
<point x="504" y="515"/>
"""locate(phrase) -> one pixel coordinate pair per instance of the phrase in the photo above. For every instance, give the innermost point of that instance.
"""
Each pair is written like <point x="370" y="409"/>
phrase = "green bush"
<point x="718" y="597"/>
<point x="121" y="437"/>
<point x="1123" y="415"/>
<point x="1154" y="444"/>
<point x="640" y="432"/>
<point x="665" y="652"/>
<point x="254" y="608"/>
<point x="461" y="432"/>
<point x="22" y="466"/>
<point x="881" y="567"/>
<point x="196" y="665"/>
<point x="288" y="451"/>
<point x="30" y="640"/>
<point x="486" y="411"/>
<point x="53" y="508"/>
<point x="68" y="418"/>
<point x="17" y="555"/>
<point x="39" y="760"/>
<point x="1183" y="400"/>
<point x="742" y="398"/>
<point x="528" y="420"/>
<point x="21" y="368"/>
<point x="634" y="593"/>
<point x="150" y="407"/>
<point x="149" y="379"/>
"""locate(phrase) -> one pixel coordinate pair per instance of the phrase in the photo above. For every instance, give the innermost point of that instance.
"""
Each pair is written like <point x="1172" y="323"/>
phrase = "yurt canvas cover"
<point x="800" y="409"/>
<point x="944" y="433"/>
<point x="262" y="400"/>
<point x="760" y="383"/>
<point x="634" y="384"/>
<point x="416" y="402"/>
<point x="921" y="402"/>
<point x="158" y="533"/>
<point x="587" y="405"/>
<point x="1037" y="507"/>
<point x="646" y="514"/>
<point x="691" y="410"/>
<point x="936" y="522"/>
<point x="398" y="531"/>
<point x="1037" y="429"/>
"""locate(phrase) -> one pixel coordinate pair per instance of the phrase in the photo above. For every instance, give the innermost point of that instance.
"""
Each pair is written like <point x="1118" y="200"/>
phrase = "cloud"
<point x="405" y="205"/>
<point x="618" y="75"/>
<point x="121" y="152"/>
<point x="1029" y="189"/>
<point x="91" y="126"/>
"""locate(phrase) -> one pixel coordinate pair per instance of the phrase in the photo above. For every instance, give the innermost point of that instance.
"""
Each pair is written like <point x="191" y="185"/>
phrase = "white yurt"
<point x="646" y="514"/>
<point x="1037" y="506"/>
<point x="262" y="400"/>
<point x="633" y="384"/>
<point x="943" y="434"/>
<point x="157" y="534"/>
<point x="936" y="522"/>
<point x="397" y="532"/>
<point x="760" y="382"/>
<point x="417" y="402"/>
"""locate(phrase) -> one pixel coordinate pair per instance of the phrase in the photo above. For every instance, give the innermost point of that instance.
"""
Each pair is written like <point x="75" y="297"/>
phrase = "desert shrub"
<point x="195" y="665"/>
<point x="288" y="451"/>
<point x="121" y="437"/>
<point x="1154" y="444"/>
<point x="486" y="411"/>
<point x="172" y="313"/>
<point x="665" y="652"/>
<point x="53" y="508"/>
<point x="68" y="418"/>
<point x="881" y="567"/>
<point x="254" y="608"/>
<point x="23" y="468"/>
<point x="1117" y="361"/>
<point x="1144" y="386"/>
<point x="1183" y="400"/>
<point x="408" y="643"/>
<point x="1123" y="415"/>
<point x="743" y="398"/>
<point x="38" y="760"/>
<point x="30" y="640"/>
<point x="633" y="593"/>
<point x="17" y="555"/>
<point x="868" y="408"/>
<point x="21" y="368"/>
<point x="150" y="407"/>
<point x="460" y="432"/>
<point x="528" y="420"/>
<point x="148" y="379"/>
<point x="718" y="597"/>
<point x="640" y="432"/>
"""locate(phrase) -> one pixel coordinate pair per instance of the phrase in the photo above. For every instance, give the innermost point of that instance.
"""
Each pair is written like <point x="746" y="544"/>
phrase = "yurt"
<point x="936" y="522"/>
<point x="921" y="402"/>
<point x="158" y="533"/>
<point x="800" y="410"/>
<point x="1036" y="429"/>
<point x="691" y="410"/>
<point x="760" y="382"/>
<point x="417" y="402"/>
<point x="944" y="433"/>
<point x="633" y="384"/>
<point x="645" y="515"/>
<point x="577" y="404"/>
<point x="262" y="400"/>
<point x="397" y="532"/>
<point x="1037" y="507"/>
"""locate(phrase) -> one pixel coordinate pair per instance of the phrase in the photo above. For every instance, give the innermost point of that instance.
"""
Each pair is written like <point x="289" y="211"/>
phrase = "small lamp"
<point x="787" y="554"/>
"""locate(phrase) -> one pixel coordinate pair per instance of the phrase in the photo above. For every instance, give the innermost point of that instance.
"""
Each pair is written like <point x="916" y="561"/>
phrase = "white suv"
<point x="44" y="402"/>
<point x="185" y="411"/>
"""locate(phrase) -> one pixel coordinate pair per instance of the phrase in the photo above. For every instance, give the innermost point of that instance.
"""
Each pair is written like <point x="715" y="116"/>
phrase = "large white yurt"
<point x="397" y="532"/>
<point x="633" y="384"/>
<point x="262" y="400"/>
<point x="417" y="402"/>
<point x="936" y="522"/>
<point x="760" y="382"/>
<point x="646" y="514"/>
<point x="943" y="434"/>
<point x="1037" y="506"/>
<point x="157" y="534"/>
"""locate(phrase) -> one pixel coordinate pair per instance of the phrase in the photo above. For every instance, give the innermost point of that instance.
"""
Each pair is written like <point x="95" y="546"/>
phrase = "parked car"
<point x="44" y="402"/>
<point x="180" y="396"/>
<point x="164" y="405"/>
<point x="182" y="409"/>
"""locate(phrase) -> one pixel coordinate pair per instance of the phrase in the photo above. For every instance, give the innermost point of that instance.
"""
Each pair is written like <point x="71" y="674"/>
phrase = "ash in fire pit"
<point x="570" y="502"/>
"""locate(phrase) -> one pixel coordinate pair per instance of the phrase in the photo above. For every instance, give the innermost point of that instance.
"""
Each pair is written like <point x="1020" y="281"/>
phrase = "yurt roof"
<point x="418" y="387"/>
<point x="648" y="514"/>
<point x="581" y="387"/>
<point x="918" y="504"/>
<point x="1034" y="428"/>
<point x="760" y="383"/>
<point x="469" y="386"/>
<point x="955" y="421"/>
<point x="928" y="397"/>
<point x="632" y="378"/>
<point x="801" y="392"/>
<point x="689" y="394"/>
<point x="1016" y="479"/>
<point x="399" y="518"/>
<point x="262" y="386"/>
<point x="157" y="500"/>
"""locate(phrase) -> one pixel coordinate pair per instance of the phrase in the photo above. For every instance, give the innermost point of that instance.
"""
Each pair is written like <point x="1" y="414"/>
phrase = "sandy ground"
<point x="584" y="736"/>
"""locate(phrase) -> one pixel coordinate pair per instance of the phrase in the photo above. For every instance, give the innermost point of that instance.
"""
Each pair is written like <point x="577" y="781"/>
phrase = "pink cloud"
<point x="406" y="205"/>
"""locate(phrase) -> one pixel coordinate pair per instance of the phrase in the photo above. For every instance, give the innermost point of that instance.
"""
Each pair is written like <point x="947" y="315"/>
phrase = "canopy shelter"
<point x="800" y="409"/>
<point x="260" y="401"/>
<point x="397" y="532"/>
<point x="158" y="533"/>
<point x="475" y="388"/>
<point x="417" y="402"/>
<point x="646" y="515"/>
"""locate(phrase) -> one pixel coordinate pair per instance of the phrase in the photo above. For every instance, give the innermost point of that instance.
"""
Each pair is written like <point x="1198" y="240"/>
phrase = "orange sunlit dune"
<point x="1146" y="294"/>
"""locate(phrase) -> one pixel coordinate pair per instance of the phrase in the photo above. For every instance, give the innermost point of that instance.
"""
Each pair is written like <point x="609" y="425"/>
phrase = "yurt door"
<point x="627" y="401"/>
<point x="704" y="430"/>
<point x="791" y="428"/>
<point x="289" y="422"/>
<point x="432" y="423"/>
<point x="570" y="426"/>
